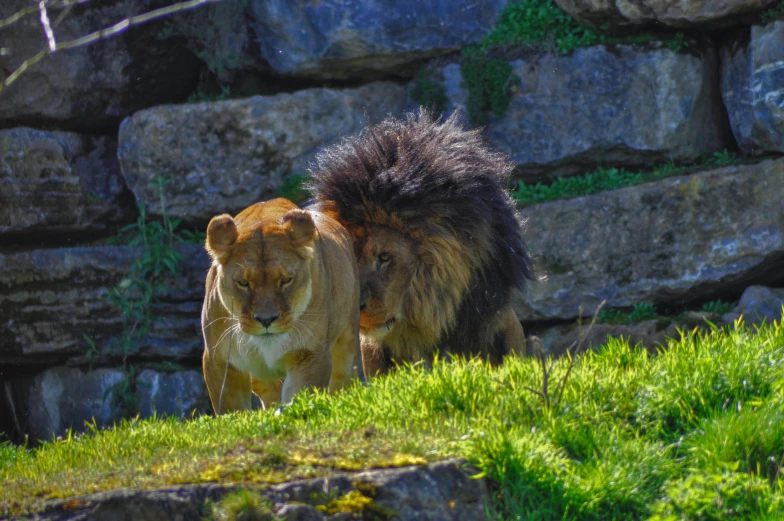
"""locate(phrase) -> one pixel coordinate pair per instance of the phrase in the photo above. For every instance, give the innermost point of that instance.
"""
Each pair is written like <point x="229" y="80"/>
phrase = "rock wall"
<point x="101" y="158"/>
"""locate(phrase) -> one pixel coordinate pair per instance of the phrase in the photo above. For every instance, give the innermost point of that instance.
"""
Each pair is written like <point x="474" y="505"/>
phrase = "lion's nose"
<point x="267" y="321"/>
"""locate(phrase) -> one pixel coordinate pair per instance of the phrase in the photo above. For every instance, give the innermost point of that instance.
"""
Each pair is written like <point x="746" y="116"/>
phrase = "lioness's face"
<point x="386" y="262"/>
<point x="264" y="277"/>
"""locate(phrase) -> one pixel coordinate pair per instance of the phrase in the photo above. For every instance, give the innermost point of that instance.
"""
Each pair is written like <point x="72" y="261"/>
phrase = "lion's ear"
<point x="300" y="228"/>
<point x="221" y="236"/>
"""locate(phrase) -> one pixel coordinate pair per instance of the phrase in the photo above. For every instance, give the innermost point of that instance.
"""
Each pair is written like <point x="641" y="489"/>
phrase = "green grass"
<point x="692" y="433"/>
<point x="609" y="178"/>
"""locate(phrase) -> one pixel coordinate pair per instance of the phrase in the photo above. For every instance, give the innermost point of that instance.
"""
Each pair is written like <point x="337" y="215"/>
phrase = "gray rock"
<point x="703" y="14"/>
<point x="442" y="491"/>
<point x="677" y="240"/>
<point x="61" y="398"/>
<point x="356" y="38"/>
<point x="50" y="299"/>
<point x="223" y="156"/>
<point x="557" y="340"/>
<point x="299" y="513"/>
<point x="752" y="84"/>
<point x="91" y="87"/>
<point x="758" y="304"/>
<point x="58" y="182"/>
<point x="172" y="394"/>
<point x="620" y="106"/>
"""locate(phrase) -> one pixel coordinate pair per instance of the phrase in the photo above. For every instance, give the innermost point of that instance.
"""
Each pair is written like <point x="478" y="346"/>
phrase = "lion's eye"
<point x="285" y="281"/>
<point x="383" y="258"/>
<point x="243" y="283"/>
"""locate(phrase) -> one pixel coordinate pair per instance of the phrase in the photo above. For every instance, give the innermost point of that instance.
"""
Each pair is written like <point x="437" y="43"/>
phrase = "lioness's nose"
<point x="267" y="321"/>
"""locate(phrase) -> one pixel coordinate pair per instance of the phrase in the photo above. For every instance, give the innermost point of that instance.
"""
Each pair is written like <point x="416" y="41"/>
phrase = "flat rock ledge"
<point x="674" y="241"/>
<point x="436" y="492"/>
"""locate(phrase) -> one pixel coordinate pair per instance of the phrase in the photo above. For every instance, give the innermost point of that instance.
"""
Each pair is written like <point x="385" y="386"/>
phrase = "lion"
<point x="437" y="238"/>
<point x="281" y="303"/>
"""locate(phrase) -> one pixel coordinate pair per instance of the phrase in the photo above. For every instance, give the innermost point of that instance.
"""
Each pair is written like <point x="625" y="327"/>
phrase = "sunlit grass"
<point x="695" y="428"/>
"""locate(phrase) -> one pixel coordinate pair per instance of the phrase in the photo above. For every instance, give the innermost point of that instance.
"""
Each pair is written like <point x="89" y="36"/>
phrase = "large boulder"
<point x="58" y="182"/>
<point x="366" y="38"/>
<point x="222" y="156"/>
<point x="689" y="238"/>
<point x="62" y="398"/>
<point x="702" y="14"/>
<point x="448" y="490"/>
<point x="94" y="86"/>
<point x="752" y="84"/>
<point x="758" y="304"/>
<point x="623" y="106"/>
<point x="51" y="300"/>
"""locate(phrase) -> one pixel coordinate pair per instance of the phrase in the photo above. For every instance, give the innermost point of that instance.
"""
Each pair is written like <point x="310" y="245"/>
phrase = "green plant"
<point x="243" y="505"/>
<point x="490" y="84"/>
<point x="640" y="312"/>
<point x="428" y="90"/>
<point x="199" y="96"/>
<point x="716" y="497"/>
<point x="722" y="158"/>
<point x="677" y="43"/>
<point x="609" y="178"/>
<point x="136" y="294"/>
<point x="718" y="307"/>
<point x="293" y="188"/>
<point x="774" y="12"/>
<point x="539" y="22"/>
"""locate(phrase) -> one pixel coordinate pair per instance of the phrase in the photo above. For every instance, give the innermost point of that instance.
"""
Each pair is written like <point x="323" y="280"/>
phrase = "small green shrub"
<point x="490" y="84"/>
<point x="717" y="307"/>
<point x="718" y="497"/>
<point x="640" y="312"/>
<point x="774" y="12"/>
<point x="199" y="96"/>
<point x="293" y="188"/>
<point x="428" y="90"/>
<point x="539" y="23"/>
<point x="722" y="158"/>
<point x="243" y="505"/>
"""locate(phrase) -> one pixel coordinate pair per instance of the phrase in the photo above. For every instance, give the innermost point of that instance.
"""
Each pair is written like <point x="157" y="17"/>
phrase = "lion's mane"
<point x="442" y="186"/>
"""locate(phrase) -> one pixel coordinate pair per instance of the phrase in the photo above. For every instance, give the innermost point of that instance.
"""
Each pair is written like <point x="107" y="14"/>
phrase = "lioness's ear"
<point x="221" y="236"/>
<point x="300" y="228"/>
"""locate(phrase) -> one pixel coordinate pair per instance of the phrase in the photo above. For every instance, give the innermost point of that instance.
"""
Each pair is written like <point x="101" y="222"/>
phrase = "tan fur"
<point x="281" y="303"/>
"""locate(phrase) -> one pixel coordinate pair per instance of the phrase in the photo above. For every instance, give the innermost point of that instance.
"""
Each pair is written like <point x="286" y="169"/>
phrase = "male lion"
<point x="281" y="302"/>
<point x="437" y="238"/>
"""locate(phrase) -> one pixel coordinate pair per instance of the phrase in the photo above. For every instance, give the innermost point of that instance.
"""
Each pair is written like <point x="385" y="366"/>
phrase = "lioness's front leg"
<point x="310" y="369"/>
<point x="514" y="337"/>
<point x="228" y="387"/>
<point x="268" y="391"/>
<point x="343" y="354"/>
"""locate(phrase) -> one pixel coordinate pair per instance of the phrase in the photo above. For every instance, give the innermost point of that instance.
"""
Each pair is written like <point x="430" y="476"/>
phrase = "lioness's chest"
<point x="262" y="357"/>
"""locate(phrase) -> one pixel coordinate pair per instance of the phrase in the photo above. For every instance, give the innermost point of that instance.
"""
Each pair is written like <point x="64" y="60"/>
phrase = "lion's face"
<point x="387" y="262"/>
<point x="264" y="276"/>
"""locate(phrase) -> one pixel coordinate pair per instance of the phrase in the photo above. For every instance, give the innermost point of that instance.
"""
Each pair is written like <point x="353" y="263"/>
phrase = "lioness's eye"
<point x="285" y="281"/>
<point x="383" y="257"/>
<point x="243" y="283"/>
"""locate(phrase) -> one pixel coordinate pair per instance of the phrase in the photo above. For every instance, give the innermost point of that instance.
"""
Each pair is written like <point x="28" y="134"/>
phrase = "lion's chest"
<point x="262" y="356"/>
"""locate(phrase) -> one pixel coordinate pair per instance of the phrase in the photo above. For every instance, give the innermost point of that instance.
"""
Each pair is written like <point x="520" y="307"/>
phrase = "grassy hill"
<point x="695" y="432"/>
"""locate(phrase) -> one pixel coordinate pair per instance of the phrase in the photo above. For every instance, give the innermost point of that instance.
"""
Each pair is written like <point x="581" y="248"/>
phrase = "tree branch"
<point x="95" y="36"/>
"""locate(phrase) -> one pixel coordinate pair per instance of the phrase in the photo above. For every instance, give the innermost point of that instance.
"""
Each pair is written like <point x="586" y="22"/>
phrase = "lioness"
<point x="281" y="302"/>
